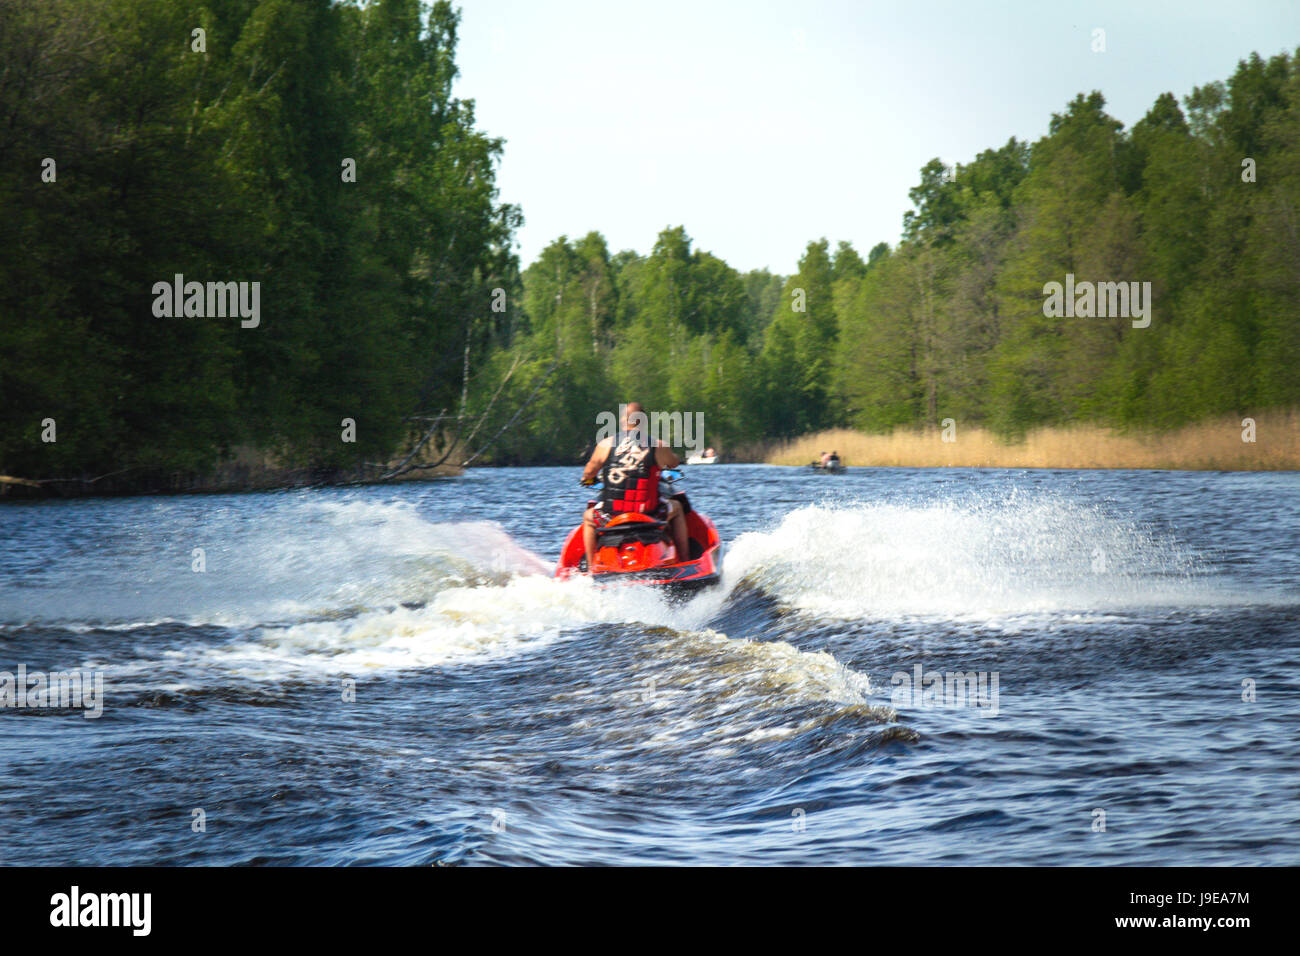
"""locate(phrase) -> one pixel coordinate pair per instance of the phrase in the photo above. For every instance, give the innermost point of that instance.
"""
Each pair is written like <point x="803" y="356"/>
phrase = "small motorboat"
<point x="832" y="467"/>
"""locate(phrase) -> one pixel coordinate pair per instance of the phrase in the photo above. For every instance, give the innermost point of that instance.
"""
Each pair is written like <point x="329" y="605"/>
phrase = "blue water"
<point x="502" y="717"/>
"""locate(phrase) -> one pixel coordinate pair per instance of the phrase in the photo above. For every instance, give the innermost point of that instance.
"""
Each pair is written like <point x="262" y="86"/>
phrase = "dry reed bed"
<point x="1214" y="444"/>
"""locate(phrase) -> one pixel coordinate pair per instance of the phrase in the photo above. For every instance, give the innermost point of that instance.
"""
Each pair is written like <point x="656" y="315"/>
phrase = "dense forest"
<point x="313" y="147"/>
<point x="317" y="148"/>
<point x="1201" y="200"/>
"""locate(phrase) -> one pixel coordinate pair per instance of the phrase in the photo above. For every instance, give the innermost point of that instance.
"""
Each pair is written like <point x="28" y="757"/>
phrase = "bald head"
<point x="633" y="415"/>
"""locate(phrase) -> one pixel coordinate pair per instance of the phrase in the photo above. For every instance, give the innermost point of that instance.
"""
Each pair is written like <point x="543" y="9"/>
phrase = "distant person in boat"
<point x="826" y="457"/>
<point x="833" y="461"/>
<point x="628" y="465"/>
<point x="710" y="453"/>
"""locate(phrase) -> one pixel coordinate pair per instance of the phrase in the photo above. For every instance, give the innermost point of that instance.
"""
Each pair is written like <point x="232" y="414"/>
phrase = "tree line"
<point x="1199" y="203"/>
<point x="313" y="147"/>
<point x="317" y="148"/>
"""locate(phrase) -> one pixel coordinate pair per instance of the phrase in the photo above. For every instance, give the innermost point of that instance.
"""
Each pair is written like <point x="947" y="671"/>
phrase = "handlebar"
<point x="669" y="476"/>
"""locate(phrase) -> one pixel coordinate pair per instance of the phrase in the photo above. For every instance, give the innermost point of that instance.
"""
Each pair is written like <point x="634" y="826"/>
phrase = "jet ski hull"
<point x="635" y="549"/>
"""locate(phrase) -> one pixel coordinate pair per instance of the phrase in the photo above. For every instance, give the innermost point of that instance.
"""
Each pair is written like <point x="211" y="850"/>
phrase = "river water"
<point x="1128" y="645"/>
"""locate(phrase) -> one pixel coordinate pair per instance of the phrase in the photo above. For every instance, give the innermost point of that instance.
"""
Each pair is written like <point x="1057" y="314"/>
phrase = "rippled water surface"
<point x="1116" y="623"/>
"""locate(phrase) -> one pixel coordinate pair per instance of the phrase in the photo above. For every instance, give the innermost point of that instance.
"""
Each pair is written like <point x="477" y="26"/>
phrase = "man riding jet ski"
<point x="640" y="530"/>
<point x="629" y="465"/>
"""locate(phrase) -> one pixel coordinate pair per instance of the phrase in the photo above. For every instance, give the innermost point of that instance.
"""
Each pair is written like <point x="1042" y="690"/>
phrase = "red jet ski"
<point x="638" y="549"/>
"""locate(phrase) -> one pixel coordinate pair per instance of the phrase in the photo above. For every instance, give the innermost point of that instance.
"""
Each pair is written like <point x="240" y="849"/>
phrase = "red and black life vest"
<point x="630" y="476"/>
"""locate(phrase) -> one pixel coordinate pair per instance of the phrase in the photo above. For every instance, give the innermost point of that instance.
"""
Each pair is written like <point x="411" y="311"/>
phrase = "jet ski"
<point x="633" y="548"/>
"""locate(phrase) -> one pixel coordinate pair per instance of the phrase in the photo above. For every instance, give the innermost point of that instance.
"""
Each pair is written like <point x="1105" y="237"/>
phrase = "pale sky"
<point x="761" y="125"/>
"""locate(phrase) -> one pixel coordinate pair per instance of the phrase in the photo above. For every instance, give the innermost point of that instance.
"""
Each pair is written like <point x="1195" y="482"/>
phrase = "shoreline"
<point x="1216" y="444"/>
<point x="1266" y="441"/>
<point x="245" y="472"/>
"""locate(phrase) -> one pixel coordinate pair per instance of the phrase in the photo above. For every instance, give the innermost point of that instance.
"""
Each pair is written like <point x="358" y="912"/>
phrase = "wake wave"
<point x="971" y="559"/>
<point x="298" y="560"/>
<point x="353" y="587"/>
<point x="459" y="625"/>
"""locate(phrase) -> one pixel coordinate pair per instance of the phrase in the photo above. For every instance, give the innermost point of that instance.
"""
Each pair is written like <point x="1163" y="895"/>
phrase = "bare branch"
<point x="519" y="411"/>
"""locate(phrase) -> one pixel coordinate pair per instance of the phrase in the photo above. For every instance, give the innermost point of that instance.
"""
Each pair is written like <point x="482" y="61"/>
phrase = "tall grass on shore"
<point x="1214" y="444"/>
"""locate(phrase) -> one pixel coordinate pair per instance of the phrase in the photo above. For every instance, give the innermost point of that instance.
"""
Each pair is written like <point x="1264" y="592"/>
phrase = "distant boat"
<point x="834" y="467"/>
<point x="702" y="460"/>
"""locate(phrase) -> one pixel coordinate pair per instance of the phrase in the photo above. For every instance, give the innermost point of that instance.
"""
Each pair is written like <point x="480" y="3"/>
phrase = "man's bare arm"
<point x="666" y="457"/>
<point x="597" y="460"/>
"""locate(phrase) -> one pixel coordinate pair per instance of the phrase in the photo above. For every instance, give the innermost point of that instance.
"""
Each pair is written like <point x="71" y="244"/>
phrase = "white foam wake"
<point x="972" y="558"/>
<point x="458" y="625"/>
<point x="298" y="558"/>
